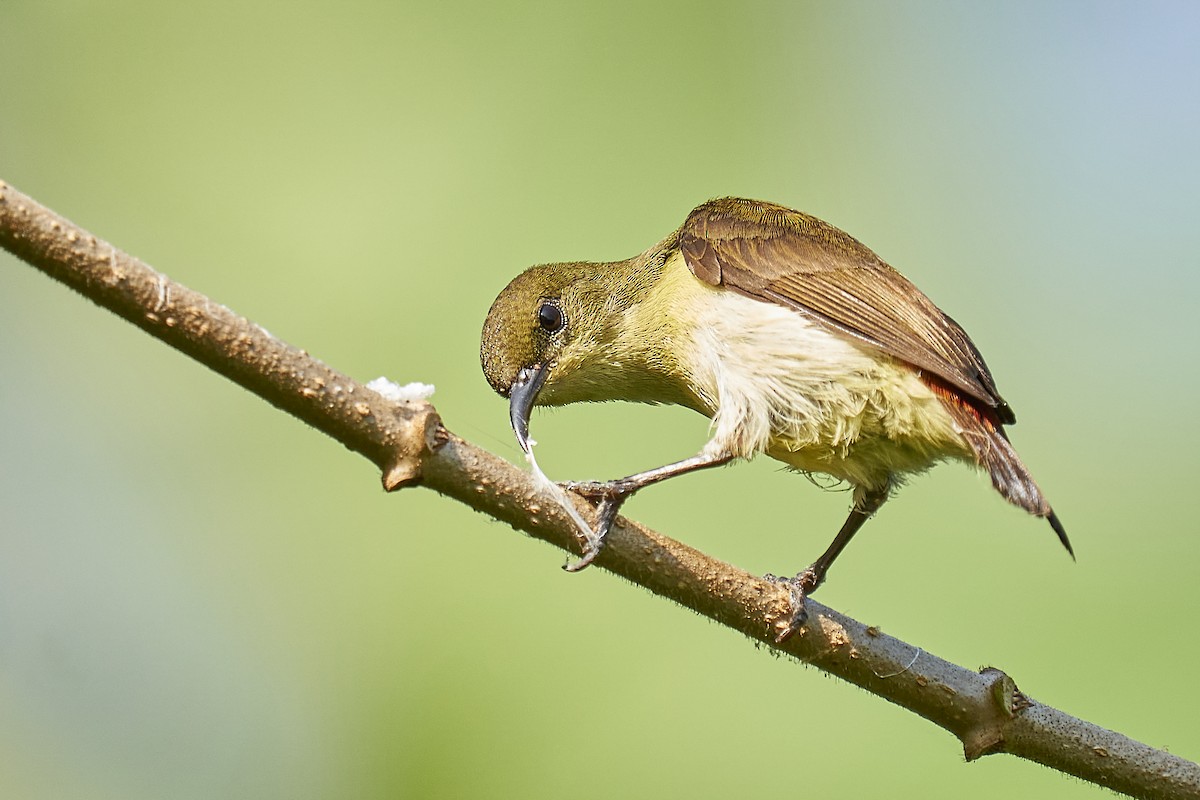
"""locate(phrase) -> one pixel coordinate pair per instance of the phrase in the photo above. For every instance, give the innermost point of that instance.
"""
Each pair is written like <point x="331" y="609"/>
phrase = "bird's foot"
<point x="607" y="497"/>
<point x="799" y="587"/>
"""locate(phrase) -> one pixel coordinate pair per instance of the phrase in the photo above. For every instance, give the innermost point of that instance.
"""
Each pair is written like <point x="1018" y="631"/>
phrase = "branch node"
<point x="420" y="434"/>
<point x="987" y="735"/>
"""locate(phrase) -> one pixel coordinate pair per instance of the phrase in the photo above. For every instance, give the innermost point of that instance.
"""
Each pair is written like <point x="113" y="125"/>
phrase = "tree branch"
<point x="409" y="444"/>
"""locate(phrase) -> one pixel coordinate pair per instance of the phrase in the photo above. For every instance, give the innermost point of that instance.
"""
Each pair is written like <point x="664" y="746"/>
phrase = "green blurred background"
<point x="200" y="597"/>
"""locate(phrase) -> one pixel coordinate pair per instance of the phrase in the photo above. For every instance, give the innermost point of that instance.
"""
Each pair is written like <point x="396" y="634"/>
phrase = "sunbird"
<point x="792" y="336"/>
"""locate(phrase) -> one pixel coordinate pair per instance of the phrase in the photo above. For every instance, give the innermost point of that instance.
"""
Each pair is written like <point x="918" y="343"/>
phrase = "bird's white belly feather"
<point x="776" y="381"/>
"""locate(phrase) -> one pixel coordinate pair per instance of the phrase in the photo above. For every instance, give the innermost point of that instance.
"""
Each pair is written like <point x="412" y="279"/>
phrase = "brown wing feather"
<point x="787" y="257"/>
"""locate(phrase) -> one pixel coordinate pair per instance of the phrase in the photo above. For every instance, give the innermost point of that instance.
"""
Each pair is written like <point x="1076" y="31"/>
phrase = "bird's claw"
<point x="591" y="548"/>
<point x="799" y="587"/>
<point x="608" y="502"/>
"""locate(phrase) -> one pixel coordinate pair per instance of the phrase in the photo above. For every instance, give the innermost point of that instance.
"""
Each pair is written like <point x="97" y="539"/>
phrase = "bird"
<point x="793" y="337"/>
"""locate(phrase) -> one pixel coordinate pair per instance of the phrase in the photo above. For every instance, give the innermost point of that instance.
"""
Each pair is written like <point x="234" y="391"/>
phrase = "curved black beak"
<point x="521" y="397"/>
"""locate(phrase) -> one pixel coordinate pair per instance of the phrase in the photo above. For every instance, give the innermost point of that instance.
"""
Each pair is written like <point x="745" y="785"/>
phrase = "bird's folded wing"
<point x="778" y="255"/>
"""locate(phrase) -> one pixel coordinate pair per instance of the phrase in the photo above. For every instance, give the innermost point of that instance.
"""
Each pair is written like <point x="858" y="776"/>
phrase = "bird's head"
<point x="544" y="340"/>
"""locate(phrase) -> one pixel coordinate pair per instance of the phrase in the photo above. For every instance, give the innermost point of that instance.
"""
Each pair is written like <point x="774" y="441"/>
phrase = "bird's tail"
<point x="995" y="454"/>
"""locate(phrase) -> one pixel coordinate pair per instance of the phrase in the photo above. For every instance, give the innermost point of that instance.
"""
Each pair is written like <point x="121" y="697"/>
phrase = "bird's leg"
<point x="609" y="496"/>
<point x="809" y="580"/>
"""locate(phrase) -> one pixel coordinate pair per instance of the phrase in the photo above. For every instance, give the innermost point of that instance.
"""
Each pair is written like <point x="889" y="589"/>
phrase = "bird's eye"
<point x="550" y="317"/>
